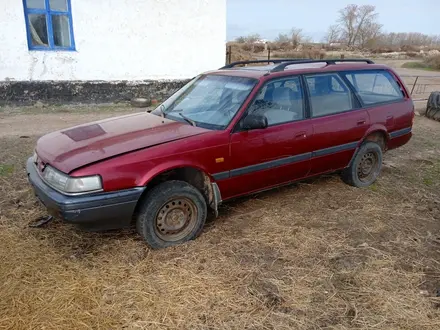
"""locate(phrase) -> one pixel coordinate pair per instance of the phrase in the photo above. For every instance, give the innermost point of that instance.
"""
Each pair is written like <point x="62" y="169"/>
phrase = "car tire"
<point x="140" y="102"/>
<point x="365" y="167"/>
<point x="172" y="213"/>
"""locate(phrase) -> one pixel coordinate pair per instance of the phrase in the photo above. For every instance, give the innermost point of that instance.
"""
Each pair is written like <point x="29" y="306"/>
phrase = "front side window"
<point x="375" y="87"/>
<point x="49" y="24"/>
<point x="328" y="94"/>
<point x="280" y="101"/>
<point x="209" y="101"/>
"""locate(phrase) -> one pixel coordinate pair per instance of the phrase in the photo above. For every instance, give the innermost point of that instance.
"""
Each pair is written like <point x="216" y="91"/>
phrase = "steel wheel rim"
<point x="176" y="219"/>
<point x="368" y="167"/>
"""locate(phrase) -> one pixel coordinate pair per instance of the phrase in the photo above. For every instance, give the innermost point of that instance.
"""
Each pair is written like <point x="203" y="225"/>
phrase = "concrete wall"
<point x="120" y="40"/>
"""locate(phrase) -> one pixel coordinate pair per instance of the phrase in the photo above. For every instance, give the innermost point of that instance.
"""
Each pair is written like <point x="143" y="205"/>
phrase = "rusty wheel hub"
<point x="176" y="219"/>
<point x="367" y="167"/>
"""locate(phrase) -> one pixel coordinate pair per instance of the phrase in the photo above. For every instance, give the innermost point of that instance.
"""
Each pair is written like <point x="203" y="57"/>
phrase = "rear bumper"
<point x="99" y="211"/>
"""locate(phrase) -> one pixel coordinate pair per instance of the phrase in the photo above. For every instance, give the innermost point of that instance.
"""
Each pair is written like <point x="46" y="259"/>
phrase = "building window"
<point x="49" y="24"/>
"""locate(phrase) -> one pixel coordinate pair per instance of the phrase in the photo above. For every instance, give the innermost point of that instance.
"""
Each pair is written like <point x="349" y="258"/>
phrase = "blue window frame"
<point x="49" y="25"/>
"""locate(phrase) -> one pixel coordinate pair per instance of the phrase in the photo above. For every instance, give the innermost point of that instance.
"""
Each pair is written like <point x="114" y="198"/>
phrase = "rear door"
<point x="338" y="122"/>
<point x="384" y="99"/>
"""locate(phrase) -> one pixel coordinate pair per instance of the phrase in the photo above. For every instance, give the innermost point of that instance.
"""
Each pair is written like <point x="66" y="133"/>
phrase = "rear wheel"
<point x="365" y="167"/>
<point x="172" y="213"/>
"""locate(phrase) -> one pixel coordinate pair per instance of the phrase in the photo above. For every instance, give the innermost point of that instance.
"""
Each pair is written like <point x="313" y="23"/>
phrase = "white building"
<point x="110" y="40"/>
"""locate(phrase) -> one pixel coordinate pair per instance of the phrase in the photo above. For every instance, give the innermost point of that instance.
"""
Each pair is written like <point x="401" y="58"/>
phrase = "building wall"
<point x="120" y="40"/>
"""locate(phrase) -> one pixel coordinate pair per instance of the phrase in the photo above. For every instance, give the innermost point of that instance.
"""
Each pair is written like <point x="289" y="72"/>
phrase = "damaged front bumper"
<point x="98" y="211"/>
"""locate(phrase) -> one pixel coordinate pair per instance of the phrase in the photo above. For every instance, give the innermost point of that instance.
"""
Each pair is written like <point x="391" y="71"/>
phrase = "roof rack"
<point x="283" y="65"/>
<point x="275" y="61"/>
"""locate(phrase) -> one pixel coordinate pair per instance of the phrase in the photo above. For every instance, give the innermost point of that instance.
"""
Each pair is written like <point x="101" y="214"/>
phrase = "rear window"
<point x="375" y="87"/>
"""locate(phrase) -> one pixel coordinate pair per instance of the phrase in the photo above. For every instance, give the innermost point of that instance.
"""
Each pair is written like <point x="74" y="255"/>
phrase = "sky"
<point x="271" y="17"/>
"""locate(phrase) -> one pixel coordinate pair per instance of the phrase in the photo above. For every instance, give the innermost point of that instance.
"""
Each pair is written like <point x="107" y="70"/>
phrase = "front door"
<point x="263" y="158"/>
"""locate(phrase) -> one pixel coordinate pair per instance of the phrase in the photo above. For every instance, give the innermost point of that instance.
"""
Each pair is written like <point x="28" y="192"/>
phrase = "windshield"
<point x="209" y="101"/>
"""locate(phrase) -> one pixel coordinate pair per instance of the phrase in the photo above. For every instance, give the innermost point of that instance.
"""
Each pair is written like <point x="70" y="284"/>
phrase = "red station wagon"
<point x="227" y="133"/>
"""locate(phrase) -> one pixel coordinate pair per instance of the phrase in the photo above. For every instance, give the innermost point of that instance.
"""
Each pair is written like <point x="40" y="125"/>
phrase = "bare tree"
<point x="252" y="38"/>
<point x="240" y="40"/>
<point x="348" y="19"/>
<point x="409" y="39"/>
<point x="333" y="34"/>
<point x="366" y="20"/>
<point x="282" y="38"/>
<point x="369" y="34"/>
<point x="358" y="25"/>
<point x="357" y="22"/>
<point x="296" y="36"/>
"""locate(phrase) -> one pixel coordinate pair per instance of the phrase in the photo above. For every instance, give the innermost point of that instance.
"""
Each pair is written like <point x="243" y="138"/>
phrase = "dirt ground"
<point x="315" y="255"/>
<point x="27" y="121"/>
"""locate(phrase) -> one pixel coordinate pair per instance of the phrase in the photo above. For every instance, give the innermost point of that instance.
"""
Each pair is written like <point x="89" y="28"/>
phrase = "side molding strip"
<point x="284" y="161"/>
<point x="270" y="164"/>
<point x="298" y="158"/>
<point x="332" y="150"/>
<point x="221" y="175"/>
<point x="400" y="132"/>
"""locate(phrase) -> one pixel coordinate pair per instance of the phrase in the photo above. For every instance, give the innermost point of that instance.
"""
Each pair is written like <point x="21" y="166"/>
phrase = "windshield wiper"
<point x="192" y="122"/>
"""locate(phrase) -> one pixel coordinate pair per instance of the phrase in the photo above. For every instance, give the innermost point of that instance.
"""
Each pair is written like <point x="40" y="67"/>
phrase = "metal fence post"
<point x="414" y="86"/>
<point x="226" y="55"/>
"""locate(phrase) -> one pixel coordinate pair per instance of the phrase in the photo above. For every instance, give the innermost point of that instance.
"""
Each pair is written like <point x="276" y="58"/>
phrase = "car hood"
<point x="81" y="145"/>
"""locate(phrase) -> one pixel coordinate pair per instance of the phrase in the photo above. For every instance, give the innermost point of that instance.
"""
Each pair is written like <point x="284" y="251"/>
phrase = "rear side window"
<point x="375" y="87"/>
<point x="328" y="94"/>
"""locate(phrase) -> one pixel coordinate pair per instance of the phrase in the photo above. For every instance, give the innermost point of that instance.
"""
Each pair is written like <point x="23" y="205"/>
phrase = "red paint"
<point x="81" y="145"/>
<point x="257" y="146"/>
<point x="131" y="150"/>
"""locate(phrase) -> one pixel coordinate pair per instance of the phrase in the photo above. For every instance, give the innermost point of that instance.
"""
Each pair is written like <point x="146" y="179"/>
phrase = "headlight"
<point x="71" y="185"/>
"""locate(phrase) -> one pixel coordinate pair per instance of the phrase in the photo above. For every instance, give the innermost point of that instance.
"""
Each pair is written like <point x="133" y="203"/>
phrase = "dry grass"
<point x="433" y="62"/>
<point x="244" y="51"/>
<point x="430" y="63"/>
<point x="306" y="53"/>
<point x="316" y="255"/>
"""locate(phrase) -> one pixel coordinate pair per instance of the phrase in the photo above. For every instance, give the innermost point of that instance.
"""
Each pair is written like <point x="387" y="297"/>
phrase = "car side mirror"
<point x="254" y="122"/>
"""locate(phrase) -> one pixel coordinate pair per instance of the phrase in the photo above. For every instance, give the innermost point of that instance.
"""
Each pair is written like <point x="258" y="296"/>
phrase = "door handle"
<point x="390" y="120"/>
<point x="361" y="122"/>
<point x="301" y="135"/>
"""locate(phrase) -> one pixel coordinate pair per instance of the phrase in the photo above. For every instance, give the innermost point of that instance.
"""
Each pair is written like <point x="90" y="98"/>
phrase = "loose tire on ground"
<point x="365" y="167"/>
<point x="171" y="213"/>
<point x="433" y="106"/>
<point x="140" y="102"/>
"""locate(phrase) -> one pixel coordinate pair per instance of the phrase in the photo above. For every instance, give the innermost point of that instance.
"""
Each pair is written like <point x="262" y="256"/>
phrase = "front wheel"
<point x="365" y="167"/>
<point x="172" y="213"/>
